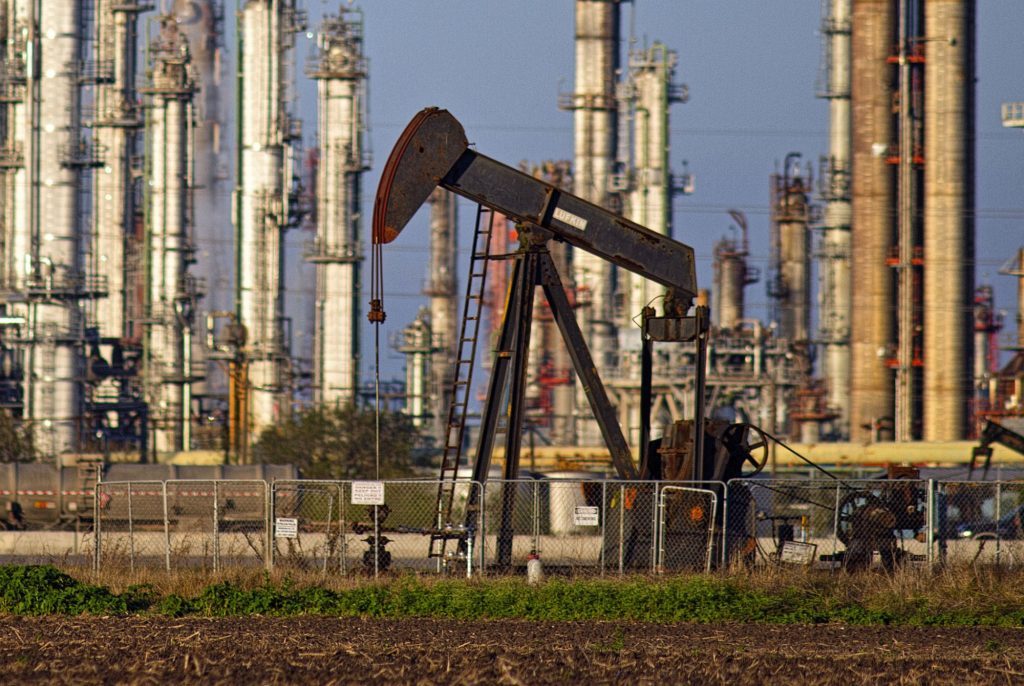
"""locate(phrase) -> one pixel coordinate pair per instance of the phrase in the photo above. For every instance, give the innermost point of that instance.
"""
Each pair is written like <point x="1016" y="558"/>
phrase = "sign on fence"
<point x="797" y="553"/>
<point x="286" y="527"/>
<point x="367" y="492"/>
<point x="586" y="515"/>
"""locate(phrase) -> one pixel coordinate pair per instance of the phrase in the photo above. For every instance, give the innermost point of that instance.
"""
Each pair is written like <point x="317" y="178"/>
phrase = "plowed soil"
<point x="310" y="650"/>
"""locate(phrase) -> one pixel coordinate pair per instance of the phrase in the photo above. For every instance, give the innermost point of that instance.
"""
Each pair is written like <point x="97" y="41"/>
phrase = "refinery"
<point x="186" y="246"/>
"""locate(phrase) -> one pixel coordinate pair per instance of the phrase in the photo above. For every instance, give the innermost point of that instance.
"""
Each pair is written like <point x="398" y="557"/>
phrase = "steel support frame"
<point x="506" y="390"/>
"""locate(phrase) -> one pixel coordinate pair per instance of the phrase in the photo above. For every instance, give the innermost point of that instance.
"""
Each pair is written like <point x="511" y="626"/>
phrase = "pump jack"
<point x="433" y="151"/>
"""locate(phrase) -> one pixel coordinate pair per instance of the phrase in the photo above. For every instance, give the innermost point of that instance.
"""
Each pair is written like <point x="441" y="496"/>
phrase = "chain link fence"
<point x="575" y="526"/>
<point x="600" y="527"/>
<point x="980" y="523"/>
<point x="181" y="524"/>
<point x="850" y="525"/>
<point x="131" y="524"/>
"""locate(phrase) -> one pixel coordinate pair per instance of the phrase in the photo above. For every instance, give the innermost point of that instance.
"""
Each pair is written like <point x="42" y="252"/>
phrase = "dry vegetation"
<point x="138" y="650"/>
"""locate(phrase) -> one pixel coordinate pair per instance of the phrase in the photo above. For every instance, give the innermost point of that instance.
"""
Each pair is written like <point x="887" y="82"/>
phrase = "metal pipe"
<point x="948" y="216"/>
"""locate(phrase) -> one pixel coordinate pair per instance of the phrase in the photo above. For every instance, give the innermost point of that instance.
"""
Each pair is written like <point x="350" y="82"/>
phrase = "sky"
<point x="751" y="67"/>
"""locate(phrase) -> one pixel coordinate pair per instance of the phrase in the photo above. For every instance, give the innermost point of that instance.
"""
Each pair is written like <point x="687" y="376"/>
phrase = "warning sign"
<point x="586" y="515"/>
<point x="796" y="553"/>
<point x="367" y="492"/>
<point x="286" y="527"/>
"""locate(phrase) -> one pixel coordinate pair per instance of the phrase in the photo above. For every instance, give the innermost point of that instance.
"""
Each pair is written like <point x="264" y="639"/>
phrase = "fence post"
<point x="96" y="526"/>
<point x="929" y="536"/>
<point x="999" y="516"/>
<point x="655" y="527"/>
<point x="216" y="527"/>
<point x="131" y="532"/>
<point x="342" y="521"/>
<point x="536" y="513"/>
<point x="835" y="529"/>
<point x="481" y="519"/>
<point x="268" y="527"/>
<point x="604" y="521"/>
<point x="622" y="528"/>
<point x="167" y="530"/>
<point x="659" y="540"/>
<point x="724" y="538"/>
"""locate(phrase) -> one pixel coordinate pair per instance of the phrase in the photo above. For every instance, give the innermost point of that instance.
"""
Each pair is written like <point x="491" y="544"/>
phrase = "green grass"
<point x="804" y="598"/>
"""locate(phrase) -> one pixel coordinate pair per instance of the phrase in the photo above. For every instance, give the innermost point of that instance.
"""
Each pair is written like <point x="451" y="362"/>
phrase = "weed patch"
<point x="696" y="599"/>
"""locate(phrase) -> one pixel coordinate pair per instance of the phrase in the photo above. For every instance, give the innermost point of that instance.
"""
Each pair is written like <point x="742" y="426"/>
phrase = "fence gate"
<point x="686" y="528"/>
<point x="131" y="525"/>
<point x="309" y="522"/>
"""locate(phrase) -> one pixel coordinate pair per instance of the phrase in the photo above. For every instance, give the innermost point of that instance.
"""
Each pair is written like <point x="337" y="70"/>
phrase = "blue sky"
<point x="751" y="67"/>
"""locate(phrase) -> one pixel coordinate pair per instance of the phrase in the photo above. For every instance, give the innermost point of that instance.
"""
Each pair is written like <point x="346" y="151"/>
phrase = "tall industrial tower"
<point x="649" y="202"/>
<point x="913" y="218"/>
<point x="201" y="22"/>
<point x="833" y="251"/>
<point x="789" y="280"/>
<point x="116" y="124"/>
<point x="264" y="203"/>
<point x="949" y="138"/>
<point x="595" y="123"/>
<point x="340" y="71"/>
<point x="442" y="288"/>
<point x="170" y="293"/>
<point x="44" y="161"/>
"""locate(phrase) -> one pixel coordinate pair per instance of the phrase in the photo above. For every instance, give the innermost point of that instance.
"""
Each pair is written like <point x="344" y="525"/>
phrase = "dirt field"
<point x="320" y="650"/>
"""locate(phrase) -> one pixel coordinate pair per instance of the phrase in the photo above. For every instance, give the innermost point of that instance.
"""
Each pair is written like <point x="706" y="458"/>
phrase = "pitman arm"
<point x="433" y="151"/>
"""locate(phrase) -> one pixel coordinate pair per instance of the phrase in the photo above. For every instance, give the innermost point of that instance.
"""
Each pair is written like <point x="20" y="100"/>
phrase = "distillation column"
<point x="948" y="217"/>
<point x="732" y="276"/>
<point x="872" y="329"/>
<point x="650" y="201"/>
<point x="48" y="240"/>
<point x="169" y="303"/>
<point x="340" y="73"/>
<point x="201" y="22"/>
<point x="442" y="288"/>
<point x="790" y="284"/>
<point x="595" y="140"/>
<point x="262" y="203"/>
<point x="116" y="124"/>
<point x="834" y="248"/>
